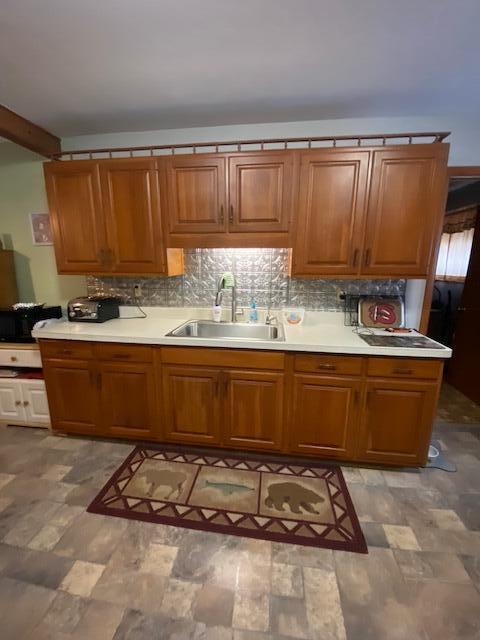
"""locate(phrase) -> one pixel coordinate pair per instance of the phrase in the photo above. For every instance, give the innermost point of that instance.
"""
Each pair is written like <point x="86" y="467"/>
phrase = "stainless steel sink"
<point x="228" y="330"/>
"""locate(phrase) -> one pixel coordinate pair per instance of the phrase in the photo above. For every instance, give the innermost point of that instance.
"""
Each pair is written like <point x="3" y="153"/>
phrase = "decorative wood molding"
<point x="27" y="134"/>
<point x="463" y="172"/>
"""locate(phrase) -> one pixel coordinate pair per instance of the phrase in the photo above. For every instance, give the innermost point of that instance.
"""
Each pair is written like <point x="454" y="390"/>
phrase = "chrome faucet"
<point x="219" y="296"/>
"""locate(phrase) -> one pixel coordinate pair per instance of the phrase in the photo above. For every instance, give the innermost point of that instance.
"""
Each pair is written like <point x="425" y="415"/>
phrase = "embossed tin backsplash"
<point x="260" y="273"/>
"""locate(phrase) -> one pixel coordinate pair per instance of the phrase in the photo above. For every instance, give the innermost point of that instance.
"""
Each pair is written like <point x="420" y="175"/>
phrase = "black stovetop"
<point x="412" y="342"/>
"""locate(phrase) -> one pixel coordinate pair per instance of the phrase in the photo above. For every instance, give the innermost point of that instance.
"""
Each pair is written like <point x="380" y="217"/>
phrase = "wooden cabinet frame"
<point x="249" y="399"/>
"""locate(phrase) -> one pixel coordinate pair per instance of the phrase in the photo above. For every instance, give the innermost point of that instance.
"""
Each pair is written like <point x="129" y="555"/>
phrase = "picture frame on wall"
<point x="41" y="229"/>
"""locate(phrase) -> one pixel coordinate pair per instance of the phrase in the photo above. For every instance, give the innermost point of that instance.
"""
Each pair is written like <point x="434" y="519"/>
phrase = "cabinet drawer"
<point x="123" y="352"/>
<point x="404" y="368"/>
<point x="66" y="349"/>
<point x="343" y="365"/>
<point x="223" y="357"/>
<point x="20" y="358"/>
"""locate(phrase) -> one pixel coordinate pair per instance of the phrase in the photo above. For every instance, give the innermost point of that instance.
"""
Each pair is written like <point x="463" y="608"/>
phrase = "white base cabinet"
<point x="24" y="401"/>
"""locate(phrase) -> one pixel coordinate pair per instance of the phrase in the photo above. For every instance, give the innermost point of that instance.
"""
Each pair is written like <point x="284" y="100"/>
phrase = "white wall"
<point x="464" y="141"/>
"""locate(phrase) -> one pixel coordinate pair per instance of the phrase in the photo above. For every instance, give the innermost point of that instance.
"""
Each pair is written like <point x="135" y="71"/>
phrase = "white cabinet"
<point x="24" y="401"/>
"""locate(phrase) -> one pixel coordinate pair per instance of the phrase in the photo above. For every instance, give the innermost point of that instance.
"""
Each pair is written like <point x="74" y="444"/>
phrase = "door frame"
<point x="452" y="172"/>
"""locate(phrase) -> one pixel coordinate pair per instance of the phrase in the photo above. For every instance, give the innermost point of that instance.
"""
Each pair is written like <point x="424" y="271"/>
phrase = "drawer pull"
<point x="18" y="403"/>
<point x="26" y="403"/>
<point x="65" y="352"/>
<point x="13" y="359"/>
<point x="327" y="367"/>
<point x="121" y="356"/>
<point x="403" y="371"/>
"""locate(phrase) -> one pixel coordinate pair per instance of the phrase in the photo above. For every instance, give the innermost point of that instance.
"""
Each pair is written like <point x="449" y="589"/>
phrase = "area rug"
<point x="306" y="504"/>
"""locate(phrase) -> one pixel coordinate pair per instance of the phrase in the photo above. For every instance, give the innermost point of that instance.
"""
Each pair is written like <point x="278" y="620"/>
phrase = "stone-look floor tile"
<point x="82" y="578"/>
<point x="303" y="556"/>
<point x="56" y="472"/>
<point x="4" y="503"/>
<point x="159" y="559"/>
<point x="400" y="537"/>
<point x="5" y="478"/>
<point x="131" y="589"/>
<point x="178" y="599"/>
<point x="239" y="634"/>
<point x="376" y="601"/>
<point x="254" y="577"/>
<point x="376" y="504"/>
<point x="287" y="580"/>
<point x="472" y="567"/>
<point x="224" y="570"/>
<point x="461" y="542"/>
<point x="352" y="474"/>
<point x="375" y="535"/>
<point x="136" y="625"/>
<point x="37" y="567"/>
<point x="99" y="621"/>
<point x="92" y="538"/>
<point x="46" y="538"/>
<point x="22" y="607"/>
<point x="403" y="479"/>
<point x="218" y="633"/>
<point x="251" y="611"/>
<point x="195" y="560"/>
<point x="21" y="534"/>
<point x="372" y="477"/>
<point x="322" y="598"/>
<point x="288" y="617"/>
<point x="65" y="612"/>
<point x="43" y="631"/>
<point x="214" y="606"/>
<point x="447" y="613"/>
<point x="426" y="565"/>
<point x="447" y="519"/>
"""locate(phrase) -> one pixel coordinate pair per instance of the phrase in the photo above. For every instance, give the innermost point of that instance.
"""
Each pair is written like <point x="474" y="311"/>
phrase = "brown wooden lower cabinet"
<point x="358" y="408"/>
<point x="190" y="404"/>
<point x="72" y="395"/>
<point x="325" y="415"/>
<point x="254" y="409"/>
<point x="396" y="421"/>
<point x="127" y="399"/>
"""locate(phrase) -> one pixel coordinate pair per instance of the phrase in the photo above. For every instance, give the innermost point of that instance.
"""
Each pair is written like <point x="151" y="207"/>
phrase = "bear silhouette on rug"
<point x="295" y="495"/>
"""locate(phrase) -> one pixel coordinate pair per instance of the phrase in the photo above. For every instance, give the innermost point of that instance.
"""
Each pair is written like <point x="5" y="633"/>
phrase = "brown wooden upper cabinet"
<point x="369" y="212"/>
<point x="405" y="209"/>
<point x="222" y="200"/>
<point x="331" y="210"/>
<point x="106" y="217"/>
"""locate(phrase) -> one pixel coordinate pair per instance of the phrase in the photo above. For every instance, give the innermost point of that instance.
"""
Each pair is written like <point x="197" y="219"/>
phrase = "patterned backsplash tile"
<point x="259" y="273"/>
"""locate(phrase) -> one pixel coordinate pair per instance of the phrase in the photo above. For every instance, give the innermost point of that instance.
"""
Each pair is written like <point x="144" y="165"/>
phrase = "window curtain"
<point x="456" y="244"/>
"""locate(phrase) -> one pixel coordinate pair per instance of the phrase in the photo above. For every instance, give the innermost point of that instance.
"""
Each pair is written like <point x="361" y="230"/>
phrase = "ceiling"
<point x="90" y="66"/>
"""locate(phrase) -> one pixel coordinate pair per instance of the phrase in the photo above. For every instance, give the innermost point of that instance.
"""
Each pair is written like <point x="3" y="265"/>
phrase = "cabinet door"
<point x="260" y="192"/>
<point x="131" y="202"/>
<point x="254" y="405"/>
<point x="324" y="415"/>
<point x="127" y="400"/>
<point x="196" y="194"/>
<point x="72" y="395"/>
<point x="11" y="401"/>
<point x="191" y="404"/>
<point x="78" y="224"/>
<point x="35" y="401"/>
<point x="397" y="421"/>
<point x="405" y="209"/>
<point x="330" y="215"/>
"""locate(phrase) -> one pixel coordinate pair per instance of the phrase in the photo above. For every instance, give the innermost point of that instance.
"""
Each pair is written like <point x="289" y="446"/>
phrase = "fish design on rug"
<point x="227" y="488"/>
<point x="295" y="495"/>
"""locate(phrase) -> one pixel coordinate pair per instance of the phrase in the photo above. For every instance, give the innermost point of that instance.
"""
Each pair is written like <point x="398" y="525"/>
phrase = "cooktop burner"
<point x="416" y="342"/>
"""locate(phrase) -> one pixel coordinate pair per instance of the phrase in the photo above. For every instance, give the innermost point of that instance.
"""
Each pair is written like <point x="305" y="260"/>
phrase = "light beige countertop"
<point x="321" y="332"/>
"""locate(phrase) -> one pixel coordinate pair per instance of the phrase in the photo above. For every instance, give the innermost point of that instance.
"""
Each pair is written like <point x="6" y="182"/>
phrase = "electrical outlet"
<point x="137" y="291"/>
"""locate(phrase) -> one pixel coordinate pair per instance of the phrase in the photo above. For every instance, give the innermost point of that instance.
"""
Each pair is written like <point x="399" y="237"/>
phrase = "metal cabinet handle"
<point x="26" y="403"/>
<point x="403" y="371"/>
<point x="328" y="367"/>
<point x="121" y="356"/>
<point x="13" y="359"/>
<point x="221" y="214"/>
<point x="355" y="257"/>
<point x="18" y="403"/>
<point x="226" y="380"/>
<point x="230" y="218"/>
<point x="65" y="352"/>
<point x="367" y="257"/>
<point x="217" y="383"/>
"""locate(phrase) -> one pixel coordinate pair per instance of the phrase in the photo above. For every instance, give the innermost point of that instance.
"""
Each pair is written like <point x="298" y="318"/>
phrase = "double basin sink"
<point x="228" y="331"/>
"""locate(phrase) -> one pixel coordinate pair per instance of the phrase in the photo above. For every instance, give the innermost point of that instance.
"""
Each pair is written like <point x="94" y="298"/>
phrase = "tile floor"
<point x="65" y="573"/>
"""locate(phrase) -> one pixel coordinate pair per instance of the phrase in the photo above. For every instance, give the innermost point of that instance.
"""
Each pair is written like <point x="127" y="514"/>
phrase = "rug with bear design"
<point x="257" y="496"/>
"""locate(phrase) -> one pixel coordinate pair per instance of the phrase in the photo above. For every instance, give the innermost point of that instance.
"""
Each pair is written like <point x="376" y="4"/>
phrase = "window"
<point x="454" y="255"/>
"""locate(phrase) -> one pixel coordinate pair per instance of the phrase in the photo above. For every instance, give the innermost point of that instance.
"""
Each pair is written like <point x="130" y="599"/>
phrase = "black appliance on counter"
<point x="93" y="309"/>
<point x="16" y="324"/>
